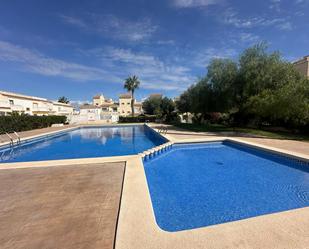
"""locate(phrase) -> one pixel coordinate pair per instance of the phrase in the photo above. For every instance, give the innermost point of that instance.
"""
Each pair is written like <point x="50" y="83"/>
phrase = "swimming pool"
<point x="198" y="185"/>
<point x="85" y="143"/>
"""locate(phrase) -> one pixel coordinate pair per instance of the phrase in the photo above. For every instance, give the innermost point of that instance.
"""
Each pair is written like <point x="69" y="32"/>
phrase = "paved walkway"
<point x="23" y="134"/>
<point x="60" y="206"/>
<point x="289" y="145"/>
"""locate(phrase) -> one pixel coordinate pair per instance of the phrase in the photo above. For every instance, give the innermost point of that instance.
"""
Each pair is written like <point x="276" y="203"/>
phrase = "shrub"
<point x="25" y="122"/>
<point x="138" y="119"/>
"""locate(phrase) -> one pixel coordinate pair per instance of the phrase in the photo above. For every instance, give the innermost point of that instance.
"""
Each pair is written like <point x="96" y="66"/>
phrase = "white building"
<point x="302" y="65"/>
<point x="124" y="107"/>
<point x="14" y="102"/>
<point x="104" y="110"/>
<point x="62" y="108"/>
<point x="95" y="114"/>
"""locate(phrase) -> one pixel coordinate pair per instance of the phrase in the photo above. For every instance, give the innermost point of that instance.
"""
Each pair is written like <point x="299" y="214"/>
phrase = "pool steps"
<point x="151" y="153"/>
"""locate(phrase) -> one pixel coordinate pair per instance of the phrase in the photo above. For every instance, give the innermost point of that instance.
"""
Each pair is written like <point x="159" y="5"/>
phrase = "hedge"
<point x="26" y="122"/>
<point x="137" y="119"/>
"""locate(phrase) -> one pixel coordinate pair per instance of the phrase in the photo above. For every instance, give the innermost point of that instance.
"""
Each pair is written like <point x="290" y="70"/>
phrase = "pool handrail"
<point x="11" y="139"/>
<point x="18" y="137"/>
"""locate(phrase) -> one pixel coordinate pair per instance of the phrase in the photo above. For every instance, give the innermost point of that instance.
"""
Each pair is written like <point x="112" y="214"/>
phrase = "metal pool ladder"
<point x="162" y="129"/>
<point x="12" y="139"/>
<point x="11" y="151"/>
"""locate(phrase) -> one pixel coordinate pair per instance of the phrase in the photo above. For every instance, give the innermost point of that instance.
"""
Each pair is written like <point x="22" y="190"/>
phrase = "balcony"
<point x="17" y="108"/>
<point x="109" y="112"/>
<point x="5" y="104"/>
<point x="41" y="109"/>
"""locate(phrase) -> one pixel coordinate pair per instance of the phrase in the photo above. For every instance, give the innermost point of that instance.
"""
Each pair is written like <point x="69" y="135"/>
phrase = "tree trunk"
<point x="132" y="104"/>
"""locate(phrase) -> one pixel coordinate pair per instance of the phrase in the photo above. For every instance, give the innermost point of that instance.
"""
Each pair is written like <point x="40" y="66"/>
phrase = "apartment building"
<point x="302" y="65"/>
<point x="93" y="113"/>
<point x="62" y="109"/>
<point x="106" y="110"/>
<point x="125" y="109"/>
<point x="20" y="103"/>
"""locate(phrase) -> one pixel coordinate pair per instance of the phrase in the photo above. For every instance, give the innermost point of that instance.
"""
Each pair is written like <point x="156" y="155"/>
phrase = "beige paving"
<point x="60" y="207"/>
<point x="137" y="226"/>
<point x="177" y="134"/>
<point x="25" y="134"/>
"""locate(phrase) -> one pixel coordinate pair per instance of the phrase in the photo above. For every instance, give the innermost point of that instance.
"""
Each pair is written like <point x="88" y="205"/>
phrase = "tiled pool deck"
<point x="26" y="134"/>
<point x="76" y="206"/>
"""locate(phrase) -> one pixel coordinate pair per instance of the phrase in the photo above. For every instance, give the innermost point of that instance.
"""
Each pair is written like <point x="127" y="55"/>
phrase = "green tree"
<point x="167" y="110"/>
<point x="151" y="105"/>
<point x="288" y="105"/>
<point x="260" y="87"/>
<point x="222" y="77"/>
<point x="131" y="84"/>
<point x="163" y="108"/>
<point x="184" y="102"/>
<point x="63" y="99"/>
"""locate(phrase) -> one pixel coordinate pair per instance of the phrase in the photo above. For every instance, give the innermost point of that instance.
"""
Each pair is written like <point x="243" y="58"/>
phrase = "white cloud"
<point x="154" y="73"/>
<point x="74" y="21"/>
<point x="194" y="3"/>
<point x="114" y="27"/>
<point x="127" y="56"/>
<point x="275" y="5"/>
<point x="301" y="1"/>
<point x="166" y="42"/>
<point x="202" y="58"/>
<point x="285" y="26"/>
<point x="231" y="17"/>
<point x="118" y="64"/>
<point x="248" y="37"/>
<point x="32" y="61"/>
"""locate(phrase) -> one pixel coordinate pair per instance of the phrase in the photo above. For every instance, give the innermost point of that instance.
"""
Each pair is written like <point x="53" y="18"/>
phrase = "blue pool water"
<point x="199" y="185"/>
<point x="87" y="142"/>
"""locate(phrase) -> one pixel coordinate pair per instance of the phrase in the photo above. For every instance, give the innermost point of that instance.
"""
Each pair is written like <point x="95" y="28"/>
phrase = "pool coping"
<point x="137" y="227"/>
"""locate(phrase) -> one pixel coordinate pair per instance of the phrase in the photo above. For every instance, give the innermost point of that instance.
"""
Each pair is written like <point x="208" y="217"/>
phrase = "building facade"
<point x="92" y="113"/>
<point x="24" y="104"/>
<point x="124" y="107"/>
<point x="302" y="65"/>
<point x="104" y="110"/>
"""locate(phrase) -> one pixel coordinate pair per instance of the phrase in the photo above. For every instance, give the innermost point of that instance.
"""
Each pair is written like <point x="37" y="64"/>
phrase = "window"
<point x="11" y="102"/>
<point x="128" y="103"/>
<point x="27" y="109"/>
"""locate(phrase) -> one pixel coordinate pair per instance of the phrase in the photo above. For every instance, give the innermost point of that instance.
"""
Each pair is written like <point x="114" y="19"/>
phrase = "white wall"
<point x="94" y="116"/>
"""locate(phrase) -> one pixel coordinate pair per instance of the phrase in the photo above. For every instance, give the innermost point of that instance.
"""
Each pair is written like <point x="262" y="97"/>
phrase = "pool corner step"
<point x="153" y="152"/>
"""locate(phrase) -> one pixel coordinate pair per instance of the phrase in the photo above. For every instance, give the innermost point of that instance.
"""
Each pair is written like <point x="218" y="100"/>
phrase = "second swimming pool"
<point x="197" y="185"/>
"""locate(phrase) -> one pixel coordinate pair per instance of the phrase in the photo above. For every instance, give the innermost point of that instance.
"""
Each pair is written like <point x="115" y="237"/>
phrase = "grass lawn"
<point x="222" y="128"/>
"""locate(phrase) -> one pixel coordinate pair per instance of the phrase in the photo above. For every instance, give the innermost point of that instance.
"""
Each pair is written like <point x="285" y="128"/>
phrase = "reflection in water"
<point x="126" y="134"/>
<point x="15" y="152"/>
<point x="86" y="142"/>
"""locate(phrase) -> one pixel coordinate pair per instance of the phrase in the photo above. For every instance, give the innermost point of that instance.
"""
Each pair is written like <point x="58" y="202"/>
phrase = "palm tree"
<point x="63" y="99"/>
<point x="131" y="84"/>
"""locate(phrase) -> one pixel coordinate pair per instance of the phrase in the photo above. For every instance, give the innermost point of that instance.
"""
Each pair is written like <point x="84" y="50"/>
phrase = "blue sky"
<point x="79" y="48"/>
